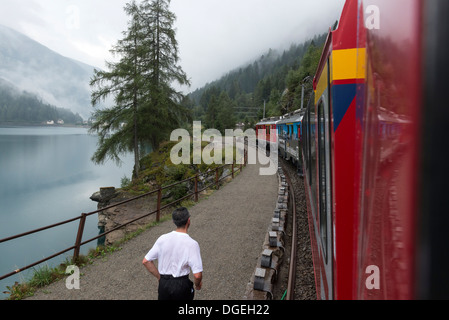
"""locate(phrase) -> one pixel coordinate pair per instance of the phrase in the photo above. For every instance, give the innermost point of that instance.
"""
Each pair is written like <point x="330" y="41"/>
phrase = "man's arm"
<point x="198" y="280"/>
<point x="151" y="268"/>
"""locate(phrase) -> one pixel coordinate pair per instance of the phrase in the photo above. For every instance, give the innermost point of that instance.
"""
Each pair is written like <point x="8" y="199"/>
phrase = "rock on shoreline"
<point x="113" y="217"/>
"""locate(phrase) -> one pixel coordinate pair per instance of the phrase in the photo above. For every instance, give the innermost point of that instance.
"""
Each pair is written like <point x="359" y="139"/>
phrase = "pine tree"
<point x="117" y="126"/>
<point x="146" y="107"/>
<point x="225" y="113"/>
<point x="163" y="111"/>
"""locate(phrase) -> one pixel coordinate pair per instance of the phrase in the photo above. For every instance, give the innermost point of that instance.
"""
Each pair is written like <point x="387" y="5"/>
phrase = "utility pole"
<point x="303" y="82"/>
<point x="302" y="96"/>
<point x="264" y="108"/>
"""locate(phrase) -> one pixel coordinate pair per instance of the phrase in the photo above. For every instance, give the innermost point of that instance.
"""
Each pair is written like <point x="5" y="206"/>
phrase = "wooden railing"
<point x="82" y="219"/>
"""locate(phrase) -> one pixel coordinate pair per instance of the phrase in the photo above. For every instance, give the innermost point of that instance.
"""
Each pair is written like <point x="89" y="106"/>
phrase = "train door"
<point x="325" y="190"/>
<point x="300" y="165"/>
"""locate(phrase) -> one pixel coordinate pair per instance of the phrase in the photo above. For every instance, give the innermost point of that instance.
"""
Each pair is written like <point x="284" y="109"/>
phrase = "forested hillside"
<point x="34" y="68"/>
<point x="273" y="80"/>
<point x="26" y="108"/>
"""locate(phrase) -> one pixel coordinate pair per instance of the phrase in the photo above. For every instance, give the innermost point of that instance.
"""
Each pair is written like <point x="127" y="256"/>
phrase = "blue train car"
<point x="290" y="136"/>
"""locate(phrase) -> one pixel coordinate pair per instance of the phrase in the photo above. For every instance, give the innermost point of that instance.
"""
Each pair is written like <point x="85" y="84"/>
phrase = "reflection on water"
<point x="46" y="176"/>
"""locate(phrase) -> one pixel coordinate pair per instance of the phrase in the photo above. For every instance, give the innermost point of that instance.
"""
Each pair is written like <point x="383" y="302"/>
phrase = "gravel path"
<point x="230" y="227"/>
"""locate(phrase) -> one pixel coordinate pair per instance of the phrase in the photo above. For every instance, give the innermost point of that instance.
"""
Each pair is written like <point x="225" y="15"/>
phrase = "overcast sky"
<point x="214" y="36"/>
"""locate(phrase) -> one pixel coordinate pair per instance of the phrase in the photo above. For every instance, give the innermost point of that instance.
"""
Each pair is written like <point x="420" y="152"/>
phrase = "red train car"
<point x="374" y="172"/>
<point x="266" y="131"/>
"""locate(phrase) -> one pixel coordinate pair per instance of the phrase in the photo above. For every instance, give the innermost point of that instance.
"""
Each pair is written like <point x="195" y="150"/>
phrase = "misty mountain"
<point x="21" y="107"/>
<point x="55" y="79"/>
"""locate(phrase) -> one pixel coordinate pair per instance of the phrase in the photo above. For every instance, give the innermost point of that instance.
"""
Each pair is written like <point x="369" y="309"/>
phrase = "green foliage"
<point x="158" y="170"/>
<point x="18" y="291"/>
<point x="292" y="99"/>
<point x="41" y="277"/>
<point x="220" y="111"/>
<point x="125" y="182"/>
<point x="45" y="275"/>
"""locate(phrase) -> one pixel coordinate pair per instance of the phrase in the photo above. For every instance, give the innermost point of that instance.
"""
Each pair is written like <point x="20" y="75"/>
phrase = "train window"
<point x="312" y="153"/>
<point x="305" y="150"/>
<point x="310" y="138"/>
<point x="324" y="174"/>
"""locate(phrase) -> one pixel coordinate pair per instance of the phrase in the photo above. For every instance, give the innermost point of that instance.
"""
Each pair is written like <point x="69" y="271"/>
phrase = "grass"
<point x="41" y="277"/>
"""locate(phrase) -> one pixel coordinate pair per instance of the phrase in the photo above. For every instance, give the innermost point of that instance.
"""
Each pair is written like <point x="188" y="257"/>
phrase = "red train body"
<point x="375" y="215"/>
<point x="266" y="132"/>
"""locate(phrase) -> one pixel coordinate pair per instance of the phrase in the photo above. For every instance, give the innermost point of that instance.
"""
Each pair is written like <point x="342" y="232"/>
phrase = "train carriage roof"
<point x="296" y="117"/>
<point x="269" y="121"/>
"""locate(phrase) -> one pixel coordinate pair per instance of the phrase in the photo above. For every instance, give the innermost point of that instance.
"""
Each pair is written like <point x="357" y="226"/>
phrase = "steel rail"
<point x="293" y="256"/>
<point x="39" y="230"/>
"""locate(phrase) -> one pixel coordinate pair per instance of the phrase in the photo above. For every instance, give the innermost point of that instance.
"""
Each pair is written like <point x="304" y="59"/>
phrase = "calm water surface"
<point x="46" y="176"/>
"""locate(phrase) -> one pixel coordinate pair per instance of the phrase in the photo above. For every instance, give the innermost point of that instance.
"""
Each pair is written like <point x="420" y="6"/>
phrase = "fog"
<point x="214" y="36"/>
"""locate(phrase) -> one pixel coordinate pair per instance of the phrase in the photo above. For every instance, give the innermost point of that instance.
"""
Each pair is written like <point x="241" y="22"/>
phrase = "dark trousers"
<point x="171" y="288"/>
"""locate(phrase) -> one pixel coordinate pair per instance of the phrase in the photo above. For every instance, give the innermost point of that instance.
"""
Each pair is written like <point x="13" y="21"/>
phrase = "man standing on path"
<point x="177" y="253"/>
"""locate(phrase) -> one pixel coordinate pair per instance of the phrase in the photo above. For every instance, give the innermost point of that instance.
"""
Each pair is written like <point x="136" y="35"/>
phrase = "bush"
<point x="125" y="182"/>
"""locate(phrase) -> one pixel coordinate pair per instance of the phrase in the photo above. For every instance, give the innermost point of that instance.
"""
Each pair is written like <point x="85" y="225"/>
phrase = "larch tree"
<point x="163" y="111"/>
<point x="145" y="106"/>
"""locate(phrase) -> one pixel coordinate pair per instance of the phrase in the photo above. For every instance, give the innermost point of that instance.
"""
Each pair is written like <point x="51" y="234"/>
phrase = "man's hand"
<point x="151" y="268"/>
<point x="198" y="280"/>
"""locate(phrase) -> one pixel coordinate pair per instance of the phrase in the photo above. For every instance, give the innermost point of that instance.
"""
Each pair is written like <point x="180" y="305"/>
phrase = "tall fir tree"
<point x="163" y="110"/>
<point x="146" y="107"/>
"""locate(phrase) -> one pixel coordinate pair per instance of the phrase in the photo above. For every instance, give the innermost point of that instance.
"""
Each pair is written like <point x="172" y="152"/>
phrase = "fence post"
<point x="232" y="170"/>
<point x="216" y="179"/>
<point x="79" y="237"/>
<point x="196" y="188"/>
<point x="159" y="199"/>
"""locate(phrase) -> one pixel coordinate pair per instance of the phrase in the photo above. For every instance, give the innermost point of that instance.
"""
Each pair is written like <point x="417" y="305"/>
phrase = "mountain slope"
<point x="271" y="82"/>
<point x="21" y="107"/>
<point x="34" y="68"/>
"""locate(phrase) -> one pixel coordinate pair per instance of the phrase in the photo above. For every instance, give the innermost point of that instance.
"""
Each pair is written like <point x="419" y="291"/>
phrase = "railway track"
<point x="303" y="284"/>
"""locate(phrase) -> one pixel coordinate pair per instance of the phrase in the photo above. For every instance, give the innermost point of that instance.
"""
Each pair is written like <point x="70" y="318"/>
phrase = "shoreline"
<point x="24" y="124"/>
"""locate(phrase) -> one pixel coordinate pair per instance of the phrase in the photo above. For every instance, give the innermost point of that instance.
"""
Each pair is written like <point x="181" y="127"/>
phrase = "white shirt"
<point x="177" y="253"/>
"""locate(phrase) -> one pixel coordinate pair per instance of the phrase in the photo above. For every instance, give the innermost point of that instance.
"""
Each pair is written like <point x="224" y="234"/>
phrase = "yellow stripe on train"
<point x="346" y="64"/>
<point x="322" y="83"/>
<point x="349" y="64"/>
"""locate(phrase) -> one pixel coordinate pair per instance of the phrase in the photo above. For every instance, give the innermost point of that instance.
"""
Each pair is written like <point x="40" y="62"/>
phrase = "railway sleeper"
<point x="265" y="275"/>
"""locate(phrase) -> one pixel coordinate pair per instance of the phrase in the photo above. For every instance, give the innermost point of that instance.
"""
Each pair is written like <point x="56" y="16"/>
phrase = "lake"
<point x="46" y="176"/>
